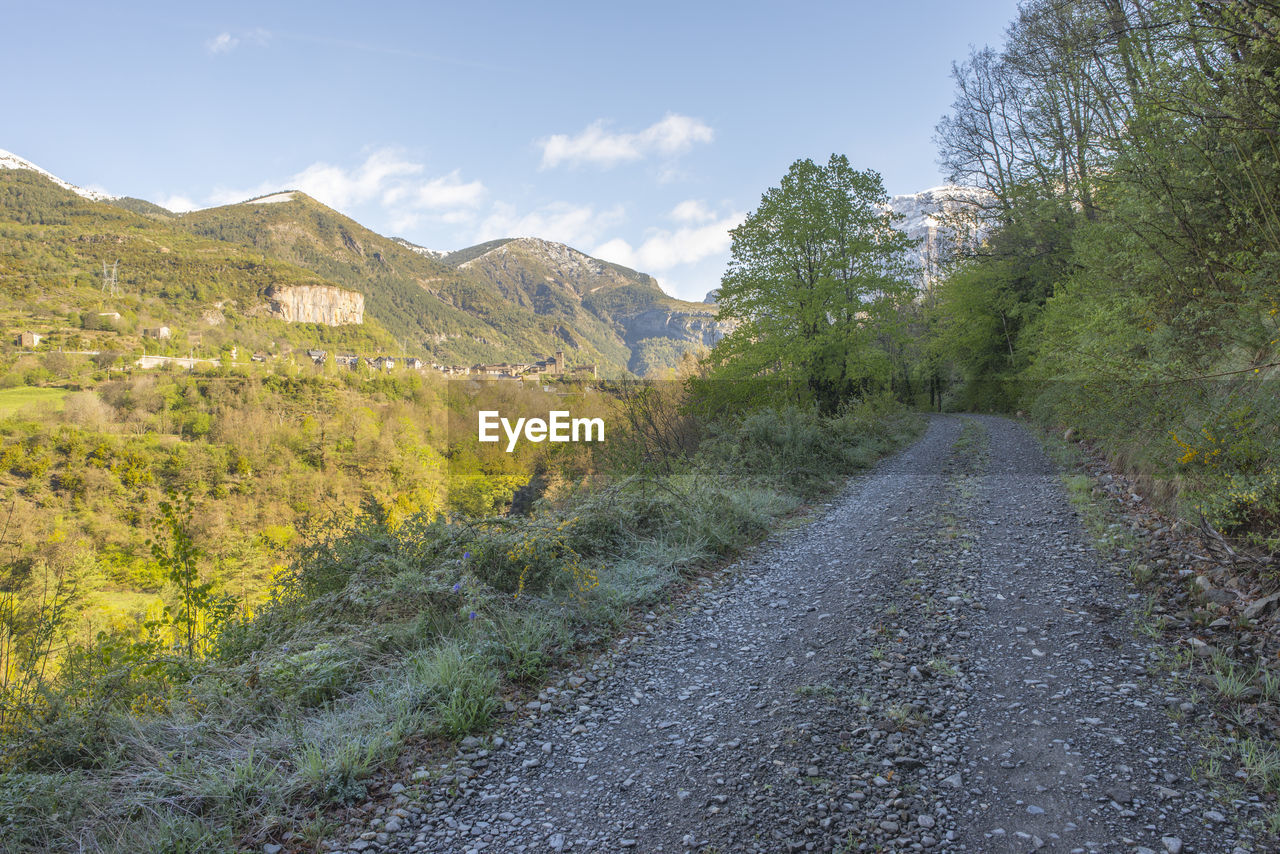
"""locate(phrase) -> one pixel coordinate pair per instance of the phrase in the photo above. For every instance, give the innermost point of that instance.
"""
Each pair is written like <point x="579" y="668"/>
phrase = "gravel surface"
<point x="939" y="661"/>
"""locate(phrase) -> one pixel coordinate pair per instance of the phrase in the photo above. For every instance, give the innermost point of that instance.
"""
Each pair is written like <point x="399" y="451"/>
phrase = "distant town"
<point x="553" y="366"/>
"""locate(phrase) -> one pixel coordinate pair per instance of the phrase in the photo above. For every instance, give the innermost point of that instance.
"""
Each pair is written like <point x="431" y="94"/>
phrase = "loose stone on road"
<point x="939" y="661"/>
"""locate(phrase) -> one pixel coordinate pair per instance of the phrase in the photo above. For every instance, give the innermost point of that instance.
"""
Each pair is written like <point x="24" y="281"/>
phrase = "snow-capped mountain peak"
<point x="944" y="219"/>
<point x="421" y="250"/>
<point x="9" y="160"/>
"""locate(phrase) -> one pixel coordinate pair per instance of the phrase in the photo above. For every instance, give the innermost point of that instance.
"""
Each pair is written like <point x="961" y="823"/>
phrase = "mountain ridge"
<point x="510" y="299"/>
<point x="9" y="160"/>
<point x="454" y="308"/>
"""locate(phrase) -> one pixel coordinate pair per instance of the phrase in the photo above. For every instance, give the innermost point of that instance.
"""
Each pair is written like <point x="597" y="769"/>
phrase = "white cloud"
<point x="596" y="145"/>
<point x="576" y="225"/>
<point x="666" y="249"/>
<point x="449" y="192"/>
<point x="385" y="178"/>
<point x="222" y="43"/>
<point x="227" y="42"/>
<point x="178" y="204"/>
<point x="692" y="210"/>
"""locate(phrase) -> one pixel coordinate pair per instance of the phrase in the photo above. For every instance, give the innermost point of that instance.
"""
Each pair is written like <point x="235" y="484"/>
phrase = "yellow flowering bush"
<point x="531" y="558"/>
<point x="1234" y="480"/>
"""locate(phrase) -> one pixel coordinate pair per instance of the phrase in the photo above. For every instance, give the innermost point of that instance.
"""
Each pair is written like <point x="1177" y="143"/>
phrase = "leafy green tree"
<point x="815" y="278"/>
<point x="200" y="612"/>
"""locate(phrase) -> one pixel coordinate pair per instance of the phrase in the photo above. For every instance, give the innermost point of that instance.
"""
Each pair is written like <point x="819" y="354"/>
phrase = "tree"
<point x="200" y="613"/>
<point x="815" y="277"/>
<point x="104" y="359"/>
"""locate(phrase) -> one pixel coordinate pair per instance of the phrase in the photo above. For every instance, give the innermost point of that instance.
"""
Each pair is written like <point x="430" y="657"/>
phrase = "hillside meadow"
<point x="237" y="595"/>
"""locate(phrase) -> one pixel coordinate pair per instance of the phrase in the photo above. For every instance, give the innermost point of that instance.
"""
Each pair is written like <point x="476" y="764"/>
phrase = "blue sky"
<point x="637" y="132"/>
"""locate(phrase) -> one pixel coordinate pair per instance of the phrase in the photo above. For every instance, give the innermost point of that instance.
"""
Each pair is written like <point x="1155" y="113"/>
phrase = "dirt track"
<point x="939" y="661"/>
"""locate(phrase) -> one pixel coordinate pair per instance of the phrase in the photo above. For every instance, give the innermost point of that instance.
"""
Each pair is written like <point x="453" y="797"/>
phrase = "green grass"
<point x="16" y="400"/>
<point x="386" y="632"/>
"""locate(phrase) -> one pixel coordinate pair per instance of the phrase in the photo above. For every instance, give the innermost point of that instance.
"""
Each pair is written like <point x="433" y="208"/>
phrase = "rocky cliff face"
<point x="522" y="265"/>
<point x="945" y="219"/>
<point x="316" y="304"/>
<point x="596" y="298"/>
<point x="694" y="327"/>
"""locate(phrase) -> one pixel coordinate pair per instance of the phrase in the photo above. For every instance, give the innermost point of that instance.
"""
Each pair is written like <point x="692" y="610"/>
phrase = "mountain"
<point x="322" y="278"/>
<point x="431" y="307"/>
<point x="9" y="160"/>
<point x="943" y="219"/>
<point x="515" y="299"/>
<point x="653" y="329"/>
<point x="60" y="253"/>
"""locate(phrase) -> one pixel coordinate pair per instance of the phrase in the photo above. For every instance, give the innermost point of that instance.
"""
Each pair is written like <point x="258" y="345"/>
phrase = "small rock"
<point x="926" y="821"/>
<point x="1262" y="606"/>
<point x="1172" y="844"/>
<point x="1119" y="795"/>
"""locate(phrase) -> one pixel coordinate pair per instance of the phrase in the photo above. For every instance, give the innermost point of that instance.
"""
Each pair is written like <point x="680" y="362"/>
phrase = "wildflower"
<point x="466" y="555"/>
<point x="457" y="587"/>
<point x="471" y="616"/>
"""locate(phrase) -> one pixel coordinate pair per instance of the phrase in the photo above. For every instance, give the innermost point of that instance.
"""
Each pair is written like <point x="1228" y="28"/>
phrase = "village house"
<point x="29" y="339"/>
<point x="160" y="333"/>
<point x="347" y="360"/>
<point x="319" y="357"/>
<point x="554" y="365"/>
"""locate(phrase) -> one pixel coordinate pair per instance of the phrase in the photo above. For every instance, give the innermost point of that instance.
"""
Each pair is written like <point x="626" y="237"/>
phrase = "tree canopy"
<point x="816" y="277"/>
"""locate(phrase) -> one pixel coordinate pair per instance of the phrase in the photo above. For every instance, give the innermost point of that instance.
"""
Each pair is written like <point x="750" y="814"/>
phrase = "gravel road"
<point x="939" y="661"/>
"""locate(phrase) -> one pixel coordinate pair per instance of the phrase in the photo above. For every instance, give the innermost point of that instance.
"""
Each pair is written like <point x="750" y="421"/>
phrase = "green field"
<point x="14" y="400"/>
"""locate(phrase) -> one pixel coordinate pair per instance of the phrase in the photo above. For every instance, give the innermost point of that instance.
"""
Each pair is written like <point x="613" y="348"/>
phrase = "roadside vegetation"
<point x="1218" y="663"/>
<point x="1125" y="283"/>
<point x="218" y="727"/>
